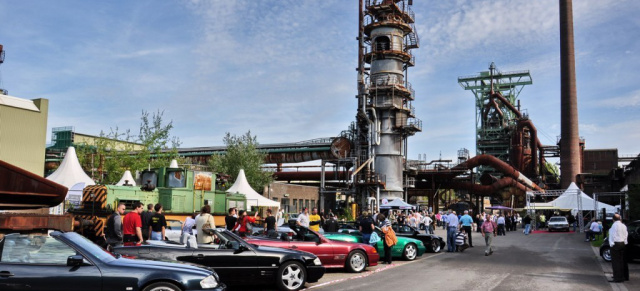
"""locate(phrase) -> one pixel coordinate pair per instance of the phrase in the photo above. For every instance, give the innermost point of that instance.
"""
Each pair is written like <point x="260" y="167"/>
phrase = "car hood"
<point x="159" y="265"/>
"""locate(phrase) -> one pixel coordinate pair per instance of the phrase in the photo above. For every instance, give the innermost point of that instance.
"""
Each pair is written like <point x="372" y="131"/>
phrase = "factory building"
<point x="23" y="132"/>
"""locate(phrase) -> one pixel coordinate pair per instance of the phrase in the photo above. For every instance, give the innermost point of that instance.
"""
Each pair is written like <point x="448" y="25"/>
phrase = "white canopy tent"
<point x="71" y="175"/>
<point x="127" y="178"/>
<point x="241" y="186"/>
<point x="70" y="172"/>
<point x="569" y="200"/>
<point x="396" y="204"/>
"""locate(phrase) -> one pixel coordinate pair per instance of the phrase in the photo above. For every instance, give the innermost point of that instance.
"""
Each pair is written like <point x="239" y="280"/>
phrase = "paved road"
<point x="554" y="261"/>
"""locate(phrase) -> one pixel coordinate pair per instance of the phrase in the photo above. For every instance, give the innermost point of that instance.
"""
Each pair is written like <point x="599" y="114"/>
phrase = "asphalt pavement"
<point x="542" y="261"/>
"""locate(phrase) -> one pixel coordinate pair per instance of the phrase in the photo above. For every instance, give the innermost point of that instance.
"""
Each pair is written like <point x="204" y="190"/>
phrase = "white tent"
<point x="569" y="200"/>
<point x="397" y="204"/>
<point x="70" y="172"/>
<point x="241" y="186"/>
<point x="128" y="178"/>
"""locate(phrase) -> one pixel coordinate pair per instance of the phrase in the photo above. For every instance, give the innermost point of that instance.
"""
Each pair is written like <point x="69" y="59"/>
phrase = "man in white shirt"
<point x="303" y="218"/>
<point x="618" y="241"/>
<point x="594" y="229"/>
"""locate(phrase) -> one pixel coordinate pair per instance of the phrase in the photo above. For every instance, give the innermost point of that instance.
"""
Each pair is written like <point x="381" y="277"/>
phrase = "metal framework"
<point x="495" y="120"/>
<point x="611" y="194"/>
<point x="556" y="193"/>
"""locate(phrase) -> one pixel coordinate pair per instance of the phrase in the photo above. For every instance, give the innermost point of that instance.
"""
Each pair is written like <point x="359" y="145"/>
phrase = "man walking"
<point x="466" y="221"/>
<point x="501" y="225"/>
<point x="618" y="241"/>
<point x="488" y="227"/>
<point x="452" y="229"/>
<point x="527" y="224"/>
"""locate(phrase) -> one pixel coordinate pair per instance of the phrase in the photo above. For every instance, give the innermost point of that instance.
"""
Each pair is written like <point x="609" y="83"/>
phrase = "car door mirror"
<point x="75" y="260"/>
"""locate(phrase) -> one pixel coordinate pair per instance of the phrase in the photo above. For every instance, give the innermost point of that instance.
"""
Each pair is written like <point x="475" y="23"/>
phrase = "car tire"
<point x="435" y="246"/>
<point x="410" y="252"/>
<point x="291" y="276"/>
<point x="162" y="286"/>
<point x="356" y="262"/>
<point x="605" y="253"/>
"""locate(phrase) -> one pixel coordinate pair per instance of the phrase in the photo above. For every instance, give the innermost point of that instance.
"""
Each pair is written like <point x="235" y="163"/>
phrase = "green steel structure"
<point x="496" y="120"/>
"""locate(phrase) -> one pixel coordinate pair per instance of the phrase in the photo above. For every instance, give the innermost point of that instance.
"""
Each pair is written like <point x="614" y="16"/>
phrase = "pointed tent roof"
<point x="569" y="200"/>
<point x="397" y="204"/>
<point x="127" y="177"/>
<point x="70" y="172"/>
<point x="253" y="198"/>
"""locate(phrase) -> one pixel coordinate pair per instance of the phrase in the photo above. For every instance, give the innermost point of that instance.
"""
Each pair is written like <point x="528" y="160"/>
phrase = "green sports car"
<point x="406" y="248"/>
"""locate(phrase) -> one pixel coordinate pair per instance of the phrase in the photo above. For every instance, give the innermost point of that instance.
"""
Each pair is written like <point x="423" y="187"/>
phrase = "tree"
<point x="113" y="153"/>
<point x="242" y="153"/>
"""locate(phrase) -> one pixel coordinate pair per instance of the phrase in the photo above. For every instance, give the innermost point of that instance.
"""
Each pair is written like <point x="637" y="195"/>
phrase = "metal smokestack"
<point x="570" y="139"/>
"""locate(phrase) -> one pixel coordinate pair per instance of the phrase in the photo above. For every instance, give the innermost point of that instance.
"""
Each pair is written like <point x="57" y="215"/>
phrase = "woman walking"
<point x="389" y="237"/>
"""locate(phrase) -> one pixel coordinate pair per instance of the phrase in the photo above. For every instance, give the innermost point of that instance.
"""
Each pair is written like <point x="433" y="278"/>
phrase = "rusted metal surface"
<point x="339" y="148"/>
<point x="570" y="155"/>
<point x="488" y="160"/>
<point x="27" y="222"/>
<point x="488" y="190"/>
<point x="20" y="189"/>
<point x="310" y="175"/>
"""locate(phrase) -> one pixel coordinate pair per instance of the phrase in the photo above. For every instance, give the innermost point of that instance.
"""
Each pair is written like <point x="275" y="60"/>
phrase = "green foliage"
<point x="552" y="169"/>
<point x="242" y="153"/>
<point x="113" y="153"/>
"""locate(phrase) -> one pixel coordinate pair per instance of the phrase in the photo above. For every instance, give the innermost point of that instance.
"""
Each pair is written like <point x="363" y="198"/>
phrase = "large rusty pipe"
<point x="570" y="139"/>
<point x="534" y="140"/>
<point x="339" y="148"/>
<point x="487" y="190"/>
<point x="310" y="176"/>
<point x="507" y="103"/>
<point x="488" y="160"/>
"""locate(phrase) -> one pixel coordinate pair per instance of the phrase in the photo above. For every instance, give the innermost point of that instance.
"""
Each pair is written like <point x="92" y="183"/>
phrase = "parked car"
<point x="406" y="248"/>
<point x="173" y="230"/>
<point x="633" y="247"/>
<point x="558" y="223"/>
<point x="69" y="261"/>
<point x="236" y="261"/>
<point x="355" y="257"/>
<point x="432" y="242"/>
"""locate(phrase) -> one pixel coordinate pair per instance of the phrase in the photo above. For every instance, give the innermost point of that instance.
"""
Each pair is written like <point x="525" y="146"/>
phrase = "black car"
<point x="236" y="261"/>
<point x="69" y="261"/>
<point x="433" y="242"/>
<point x="633" y="247"/>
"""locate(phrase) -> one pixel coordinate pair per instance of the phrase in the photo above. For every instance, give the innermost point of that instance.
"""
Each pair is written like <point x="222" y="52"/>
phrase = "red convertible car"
<point x="355" y="257"/>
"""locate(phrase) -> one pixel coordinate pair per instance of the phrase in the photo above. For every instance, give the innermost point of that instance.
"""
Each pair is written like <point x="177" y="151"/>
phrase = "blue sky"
<point x="286" y="69"/>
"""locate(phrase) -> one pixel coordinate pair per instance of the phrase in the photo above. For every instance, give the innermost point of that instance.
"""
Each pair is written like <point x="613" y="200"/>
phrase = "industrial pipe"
<point x="487" y="190"/>
<point x="488" y="160"/>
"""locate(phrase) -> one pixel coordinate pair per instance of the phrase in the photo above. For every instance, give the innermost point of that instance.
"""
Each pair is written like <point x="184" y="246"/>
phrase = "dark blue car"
<point x="69" y="261"/>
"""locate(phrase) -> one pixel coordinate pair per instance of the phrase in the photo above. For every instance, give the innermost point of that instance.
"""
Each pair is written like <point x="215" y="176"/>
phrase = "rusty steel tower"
<point x="386" y="117"/>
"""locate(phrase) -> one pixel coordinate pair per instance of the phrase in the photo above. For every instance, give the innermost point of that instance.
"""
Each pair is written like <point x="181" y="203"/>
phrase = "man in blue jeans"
<point x="466" y="221"/>
<point x="452" y="229"/>
<point x="366" y="227"/>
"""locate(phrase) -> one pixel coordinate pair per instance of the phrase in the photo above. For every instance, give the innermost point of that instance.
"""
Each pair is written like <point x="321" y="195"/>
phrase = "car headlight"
<point x="317" y="262"/>
<point x="209" y="282"/>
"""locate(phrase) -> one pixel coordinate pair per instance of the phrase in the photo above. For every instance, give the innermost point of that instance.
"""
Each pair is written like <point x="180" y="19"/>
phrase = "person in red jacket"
<point x="243" y="220"/>
<point x="132" y="226"/>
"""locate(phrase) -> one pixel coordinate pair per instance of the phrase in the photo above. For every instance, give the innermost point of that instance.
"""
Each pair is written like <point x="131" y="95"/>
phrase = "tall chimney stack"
<point x="570" y="138"/>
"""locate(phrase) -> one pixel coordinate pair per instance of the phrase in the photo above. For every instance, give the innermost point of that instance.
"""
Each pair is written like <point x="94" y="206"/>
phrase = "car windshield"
<point x="226" y="237"/>
<point x="558" y="219"/>
<point x="93" y="250"/>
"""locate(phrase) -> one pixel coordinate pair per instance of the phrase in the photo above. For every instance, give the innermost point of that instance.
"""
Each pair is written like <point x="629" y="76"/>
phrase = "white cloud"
<point x="631" y="99"/>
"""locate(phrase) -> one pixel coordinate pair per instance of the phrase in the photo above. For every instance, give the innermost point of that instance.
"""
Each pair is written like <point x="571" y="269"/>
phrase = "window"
<point x="306" y="203"/>
<point x="313" y="204"/>
<point x="382" y="43"/>
<point x="35" y="250"/>
<point x="275" y="199"/>
<point x="295" y="205"/>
